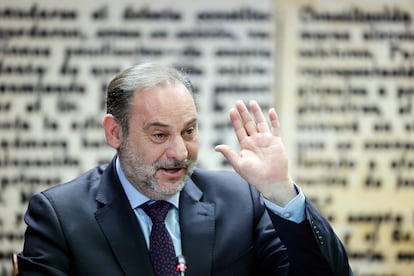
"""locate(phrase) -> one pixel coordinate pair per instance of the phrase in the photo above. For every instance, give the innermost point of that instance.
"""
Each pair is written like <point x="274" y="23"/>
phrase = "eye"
<point x="159" y="135"/>
<point x="189" y="132"/>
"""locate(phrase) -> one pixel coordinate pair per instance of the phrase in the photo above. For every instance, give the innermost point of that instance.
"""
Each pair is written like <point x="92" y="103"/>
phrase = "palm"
<point x="261" y="160"/>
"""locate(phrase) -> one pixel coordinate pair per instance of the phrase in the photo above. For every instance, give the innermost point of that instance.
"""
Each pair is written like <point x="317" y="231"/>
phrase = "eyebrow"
<point x="160" y="124"/>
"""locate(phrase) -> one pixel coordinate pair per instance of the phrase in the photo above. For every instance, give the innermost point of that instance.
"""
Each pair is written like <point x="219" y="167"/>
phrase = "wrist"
<point x="280" y="192"/>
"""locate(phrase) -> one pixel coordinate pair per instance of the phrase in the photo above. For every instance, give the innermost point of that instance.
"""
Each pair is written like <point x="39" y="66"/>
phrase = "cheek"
<point x="192" y="149"/>
<point x="154" y="153"/>
<point x="147" y="151"/>
<point x="148" y="154"/>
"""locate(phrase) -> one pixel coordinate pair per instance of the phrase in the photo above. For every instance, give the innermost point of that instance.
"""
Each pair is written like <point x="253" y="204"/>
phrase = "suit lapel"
<point x="120" y="226"/>
<point x="197" y="224"/>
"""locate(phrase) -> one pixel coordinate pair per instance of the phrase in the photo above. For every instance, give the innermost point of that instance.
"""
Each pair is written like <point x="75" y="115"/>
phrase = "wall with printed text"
<point x="340" y="74"/>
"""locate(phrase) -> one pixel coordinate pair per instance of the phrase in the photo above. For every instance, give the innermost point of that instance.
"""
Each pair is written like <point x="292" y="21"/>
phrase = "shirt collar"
<point x="135" y="197"/>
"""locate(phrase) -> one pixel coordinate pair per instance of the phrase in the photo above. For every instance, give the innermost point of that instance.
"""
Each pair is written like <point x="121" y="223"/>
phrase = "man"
<point x="255" y="222"/>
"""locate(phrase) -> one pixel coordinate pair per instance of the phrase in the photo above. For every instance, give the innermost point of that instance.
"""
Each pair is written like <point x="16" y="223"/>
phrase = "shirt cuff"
<point x="293" y="211"/>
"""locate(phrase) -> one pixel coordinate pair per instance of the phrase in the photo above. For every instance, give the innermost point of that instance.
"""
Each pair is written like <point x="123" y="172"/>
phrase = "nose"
<point x="177" y="148"/>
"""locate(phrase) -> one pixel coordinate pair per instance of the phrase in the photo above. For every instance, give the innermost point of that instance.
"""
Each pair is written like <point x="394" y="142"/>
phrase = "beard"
<point x="143" y="176"/>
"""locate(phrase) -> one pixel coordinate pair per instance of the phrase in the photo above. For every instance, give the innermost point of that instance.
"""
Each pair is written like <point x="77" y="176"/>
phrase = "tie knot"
<point x="158" y="210"/>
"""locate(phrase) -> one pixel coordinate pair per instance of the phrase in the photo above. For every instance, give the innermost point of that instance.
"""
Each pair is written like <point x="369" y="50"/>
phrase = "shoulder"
<point x="221" y="178"/>
<point x="222" y="182"/>
<point x="217" y="175"/>
<point x="77" y="191"/>
<point x="86" y="180"/>
<point x="230" y="194"/>
<point x="77" y="196"/>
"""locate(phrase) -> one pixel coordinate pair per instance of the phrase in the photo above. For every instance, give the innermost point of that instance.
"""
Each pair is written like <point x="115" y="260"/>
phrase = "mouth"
<point x="173" y="171"/>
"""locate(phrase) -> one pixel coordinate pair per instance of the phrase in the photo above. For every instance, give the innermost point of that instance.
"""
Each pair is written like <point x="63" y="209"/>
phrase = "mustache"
<point x="173" y="163"/>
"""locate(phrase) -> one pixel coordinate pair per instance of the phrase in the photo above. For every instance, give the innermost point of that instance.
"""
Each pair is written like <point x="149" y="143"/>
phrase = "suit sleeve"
<point x="313" y="247"/>
<point x="44" y="251"/>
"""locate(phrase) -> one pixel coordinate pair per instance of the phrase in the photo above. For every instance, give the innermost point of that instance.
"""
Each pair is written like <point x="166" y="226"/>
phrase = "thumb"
<point x="228" y="153"/>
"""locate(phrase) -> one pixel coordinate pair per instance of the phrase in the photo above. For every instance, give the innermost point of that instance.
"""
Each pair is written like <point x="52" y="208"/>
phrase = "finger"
<point x="261" y="122"/>
<point x="237" y="124"/>
<point x="246" y="119"/>
<point x="274" y="121"/>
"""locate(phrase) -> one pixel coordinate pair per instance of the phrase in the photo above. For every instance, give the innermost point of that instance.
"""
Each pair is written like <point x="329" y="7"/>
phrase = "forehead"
<point x="168" y="104"/>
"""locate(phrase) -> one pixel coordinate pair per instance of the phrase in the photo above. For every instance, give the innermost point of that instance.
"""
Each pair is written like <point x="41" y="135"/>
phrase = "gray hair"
<point x="139" y="77"/>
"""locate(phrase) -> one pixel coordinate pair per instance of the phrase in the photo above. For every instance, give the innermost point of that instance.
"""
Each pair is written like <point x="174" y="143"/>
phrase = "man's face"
<point x="161" y="148"/>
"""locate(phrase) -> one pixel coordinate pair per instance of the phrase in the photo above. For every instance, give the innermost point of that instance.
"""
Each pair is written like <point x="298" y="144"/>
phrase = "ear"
<point x="113" y="131"/>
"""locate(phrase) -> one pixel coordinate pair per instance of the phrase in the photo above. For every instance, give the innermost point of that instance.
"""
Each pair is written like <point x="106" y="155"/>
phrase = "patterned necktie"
<point x="161" y="250"/>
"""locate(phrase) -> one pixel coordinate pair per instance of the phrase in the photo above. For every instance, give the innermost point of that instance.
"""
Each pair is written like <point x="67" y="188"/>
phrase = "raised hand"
<point x="262" y="160"/>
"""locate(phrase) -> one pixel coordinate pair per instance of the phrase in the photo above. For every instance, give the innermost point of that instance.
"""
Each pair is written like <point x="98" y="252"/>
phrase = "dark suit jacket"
<point x="86" y="227"/>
